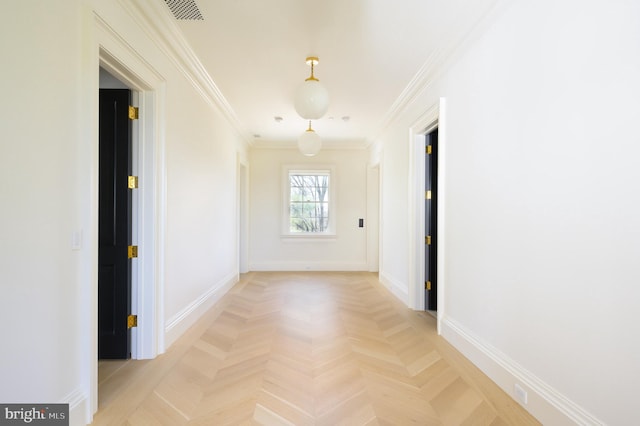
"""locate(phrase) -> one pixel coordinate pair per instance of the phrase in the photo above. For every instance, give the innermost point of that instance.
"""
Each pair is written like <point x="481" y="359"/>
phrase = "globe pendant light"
<point x="312" y="99"/>
<point x="309" y="143"/>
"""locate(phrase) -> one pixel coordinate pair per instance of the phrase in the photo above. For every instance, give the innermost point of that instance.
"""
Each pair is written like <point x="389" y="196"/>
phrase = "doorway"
<point x="431" y="221"/>
<point x="147" y="200"/>
<point x="115" y="251"/>
<point x="373" y="218"/>
<point x="433" y="118"/>
<point x="123" y="66"/>
<point x="243" y="212"/>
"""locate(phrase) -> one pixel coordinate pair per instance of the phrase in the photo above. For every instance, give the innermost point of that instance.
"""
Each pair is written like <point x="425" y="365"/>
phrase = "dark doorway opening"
<point x="431" y="220"/>
<point x="114" y="235"/>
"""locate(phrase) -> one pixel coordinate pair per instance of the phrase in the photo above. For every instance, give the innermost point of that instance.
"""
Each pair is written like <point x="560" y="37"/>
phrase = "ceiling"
<point x="374" y="54"/>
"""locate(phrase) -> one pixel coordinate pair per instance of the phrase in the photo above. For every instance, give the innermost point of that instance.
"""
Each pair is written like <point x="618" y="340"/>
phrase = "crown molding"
<point x="158" y="23"/>
<point x="421" y="80"/>
<point x="437" y="63"/>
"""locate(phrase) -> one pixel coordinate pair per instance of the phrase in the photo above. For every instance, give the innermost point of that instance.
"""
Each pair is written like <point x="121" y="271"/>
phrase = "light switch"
<point x="76" y="240"/>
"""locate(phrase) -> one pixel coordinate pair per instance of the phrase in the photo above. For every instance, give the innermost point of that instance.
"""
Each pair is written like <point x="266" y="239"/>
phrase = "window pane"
<point x="309" y="202"/>
<point x="296" y="194"/>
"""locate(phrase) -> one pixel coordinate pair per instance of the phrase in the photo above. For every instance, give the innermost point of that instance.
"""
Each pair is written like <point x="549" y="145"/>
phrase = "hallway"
<point x="306" y="348"/>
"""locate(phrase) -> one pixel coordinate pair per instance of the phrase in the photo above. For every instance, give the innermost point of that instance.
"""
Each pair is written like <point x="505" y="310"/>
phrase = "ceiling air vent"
<point x="185" y="9"/>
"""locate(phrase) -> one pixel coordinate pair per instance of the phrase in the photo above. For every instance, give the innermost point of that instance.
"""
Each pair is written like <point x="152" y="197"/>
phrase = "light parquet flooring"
<point x="292" y="348"/>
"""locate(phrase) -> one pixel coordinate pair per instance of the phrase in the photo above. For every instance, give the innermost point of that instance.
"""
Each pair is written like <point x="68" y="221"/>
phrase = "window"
<point x="309" y="202"/>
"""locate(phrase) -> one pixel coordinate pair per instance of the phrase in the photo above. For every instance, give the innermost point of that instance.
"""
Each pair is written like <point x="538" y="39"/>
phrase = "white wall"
<point x="48" y="170"/>
<point x="542" y="205"/>
<point x="39" y="306"/>
<point x="394" y="212"/>
<point x="269" y="251"/>
<point x="202" y="251"/>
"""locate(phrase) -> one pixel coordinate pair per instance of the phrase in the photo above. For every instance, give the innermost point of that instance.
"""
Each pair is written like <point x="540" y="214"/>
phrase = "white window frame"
<point x="330" y="232"/>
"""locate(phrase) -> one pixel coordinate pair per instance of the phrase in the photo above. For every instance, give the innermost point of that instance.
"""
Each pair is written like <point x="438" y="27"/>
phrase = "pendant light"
<point x="309" y="142"/>
<point x="311" y="99"/>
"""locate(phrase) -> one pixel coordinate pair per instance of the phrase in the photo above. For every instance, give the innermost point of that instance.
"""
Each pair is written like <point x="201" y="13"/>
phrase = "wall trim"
<point x="179" y="323"/>
<point x="435" y="65"/>
<point x="395" y="286"/>
<point x="113" y="53"/>
<point x="79" y="412"/>
<point x="373" y="217"/>
<point x="416" y="210"/>
<point x="310" y="266"/>
<point x="156" y="20"/>
<point x="418" y="83"/>
<point x="545" y="403"/>
<point x="433" y="117"/>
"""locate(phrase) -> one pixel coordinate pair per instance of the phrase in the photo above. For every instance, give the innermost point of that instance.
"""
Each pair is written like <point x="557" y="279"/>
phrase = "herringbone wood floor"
<point x="306" y="349"/>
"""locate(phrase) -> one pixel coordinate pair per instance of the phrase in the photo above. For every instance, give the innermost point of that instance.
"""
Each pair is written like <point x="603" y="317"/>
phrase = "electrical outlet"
<point x="521" y="394"/>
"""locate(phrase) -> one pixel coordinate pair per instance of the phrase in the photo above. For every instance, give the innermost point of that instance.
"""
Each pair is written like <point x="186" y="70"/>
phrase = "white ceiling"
<point x="372" y="53"/>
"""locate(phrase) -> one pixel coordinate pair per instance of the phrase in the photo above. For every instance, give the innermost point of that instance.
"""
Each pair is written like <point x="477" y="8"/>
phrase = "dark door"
<point x="114" y="269"/>
<point x="431" y="220"/>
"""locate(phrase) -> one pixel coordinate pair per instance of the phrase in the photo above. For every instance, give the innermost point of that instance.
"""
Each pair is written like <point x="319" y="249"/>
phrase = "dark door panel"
<point x="114" y="269"/>
<point x="431" y="220"/>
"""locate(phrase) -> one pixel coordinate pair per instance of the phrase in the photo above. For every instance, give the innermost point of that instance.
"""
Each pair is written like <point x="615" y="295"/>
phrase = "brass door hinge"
<point x="427" y="285"/>
<point x="132" y="321"/>
<point x="427" y="240"/>
<point x="132" y="252"/>
<point x="427" y="195"/>
<point x="428" y="149"/>
<point x="133" y="113"/>
<point x="132" y="182"/>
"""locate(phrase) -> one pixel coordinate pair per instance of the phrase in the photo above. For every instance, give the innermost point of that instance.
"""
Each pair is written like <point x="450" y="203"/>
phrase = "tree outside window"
<point x="309" y="201"/>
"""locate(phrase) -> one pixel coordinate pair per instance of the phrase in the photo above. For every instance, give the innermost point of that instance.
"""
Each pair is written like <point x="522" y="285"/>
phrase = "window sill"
<point x="287" y="238"/>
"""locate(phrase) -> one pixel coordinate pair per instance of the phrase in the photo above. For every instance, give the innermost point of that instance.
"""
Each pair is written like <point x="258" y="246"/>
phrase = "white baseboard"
<point x="395" y="287"/>
<point x="309" y="266"/>
<point x="543" y="401"/>
<point x="179" y="323"/>
<point x="79" y="414"/>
